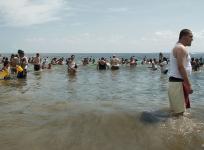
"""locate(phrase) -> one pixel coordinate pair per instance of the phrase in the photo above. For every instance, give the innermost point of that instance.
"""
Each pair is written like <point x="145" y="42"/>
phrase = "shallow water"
<point x="103" y="110"/>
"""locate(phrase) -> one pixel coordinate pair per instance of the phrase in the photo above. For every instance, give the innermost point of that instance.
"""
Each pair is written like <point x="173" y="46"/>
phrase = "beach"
<point x="97" y="110"/>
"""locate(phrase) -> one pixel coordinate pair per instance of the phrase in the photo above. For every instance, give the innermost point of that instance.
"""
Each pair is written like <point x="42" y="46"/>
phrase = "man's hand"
<point x="188" y="88"/>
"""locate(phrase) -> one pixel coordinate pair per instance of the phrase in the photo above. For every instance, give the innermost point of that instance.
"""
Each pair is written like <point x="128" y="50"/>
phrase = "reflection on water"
<point x="72" y="77"/>
<point x="107" y="110"/>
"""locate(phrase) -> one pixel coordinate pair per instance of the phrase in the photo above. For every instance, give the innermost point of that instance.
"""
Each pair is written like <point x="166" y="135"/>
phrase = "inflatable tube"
<point x="19" y="68"/>
<point x="3" y="74"/>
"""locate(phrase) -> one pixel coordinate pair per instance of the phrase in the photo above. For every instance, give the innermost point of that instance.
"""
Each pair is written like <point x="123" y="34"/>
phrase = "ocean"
<point x="126" y="109"/>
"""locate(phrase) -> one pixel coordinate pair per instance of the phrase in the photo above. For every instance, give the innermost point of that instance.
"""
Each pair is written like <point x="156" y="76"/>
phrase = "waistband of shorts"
<point x="173" y="79"/>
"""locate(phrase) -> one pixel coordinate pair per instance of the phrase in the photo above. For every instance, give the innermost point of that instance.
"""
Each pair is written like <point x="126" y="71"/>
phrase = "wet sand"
<point x="77" y="126"/>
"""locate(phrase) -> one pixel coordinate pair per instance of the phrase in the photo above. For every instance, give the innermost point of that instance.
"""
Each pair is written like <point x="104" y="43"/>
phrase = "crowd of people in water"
<point x="17" y="64"/>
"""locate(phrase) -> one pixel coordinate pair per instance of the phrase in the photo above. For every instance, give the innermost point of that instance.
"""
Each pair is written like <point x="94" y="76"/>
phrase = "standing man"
<point x="37" y="62"/>
<point x="180" y="69"/>
<point x="23" y="64"/>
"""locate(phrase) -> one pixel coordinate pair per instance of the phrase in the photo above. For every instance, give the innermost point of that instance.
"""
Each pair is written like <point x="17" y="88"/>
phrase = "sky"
<point x="98" y="26"/>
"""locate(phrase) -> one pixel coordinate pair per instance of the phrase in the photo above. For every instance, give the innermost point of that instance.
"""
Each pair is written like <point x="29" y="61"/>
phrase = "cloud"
<point x="162" y="36"/>
<point x="199" y="35"/>
<point x="165" y="34"/>
<point x="173" y="35"/>
<point x="117" y="10"/>
<point x="77" y="24"/>
<point x="83" y="42"/>
<point x="28" y="12"/>
<point x="36" y="40"/>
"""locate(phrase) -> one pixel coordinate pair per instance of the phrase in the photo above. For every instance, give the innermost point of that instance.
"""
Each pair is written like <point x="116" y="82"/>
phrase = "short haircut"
<point x="20" y="51"/>
<point x="6" y="63"/>
<point x="184" y="32"/>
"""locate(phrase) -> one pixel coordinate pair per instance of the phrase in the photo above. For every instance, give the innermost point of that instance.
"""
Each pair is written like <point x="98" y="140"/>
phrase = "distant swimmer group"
<point x="18" y="63"/>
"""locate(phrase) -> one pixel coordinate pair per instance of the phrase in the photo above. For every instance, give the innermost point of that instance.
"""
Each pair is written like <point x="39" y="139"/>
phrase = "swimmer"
<point x="115" y="63"/>
<point x="37" y="62"/>
<point x="72" y="66"/>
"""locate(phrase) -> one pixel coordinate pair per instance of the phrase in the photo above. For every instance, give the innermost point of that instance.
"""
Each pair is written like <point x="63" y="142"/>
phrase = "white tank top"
<point x="174" y="72"/>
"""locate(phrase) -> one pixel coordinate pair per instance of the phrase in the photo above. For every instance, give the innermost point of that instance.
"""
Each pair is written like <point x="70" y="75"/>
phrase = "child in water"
<point x="4" y="72"/>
